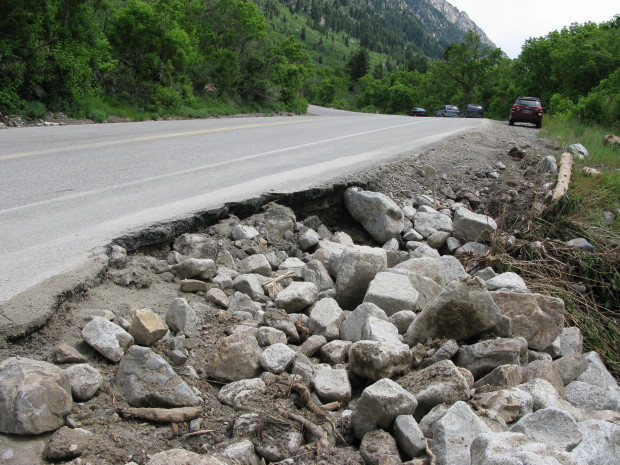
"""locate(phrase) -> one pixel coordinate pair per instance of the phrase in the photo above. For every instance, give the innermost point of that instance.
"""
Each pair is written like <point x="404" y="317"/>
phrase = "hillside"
<point x="400" y="30"/>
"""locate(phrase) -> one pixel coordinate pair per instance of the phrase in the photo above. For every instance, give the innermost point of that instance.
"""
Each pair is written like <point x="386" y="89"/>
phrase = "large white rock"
<point x="379" y="405"/>
<point x="297" y="297"/>
<point x="473" y="227"/>
<point x="277" y="358"/>
<point x="325" y="319"/>
<point x="392" y="293"/>
<point x="464" y="309"/>
<point x="454" y="433"/>
<point x="515" y="448"/>
<point x="181" y="317"/>
<point x="85" y="381"/>
<point x="552" y="426"/>
<point x="147" y="380"/>
<point x="332" y="384"/>
<point x="351" y="327"/>
<point x="600" y="444"/>
<point x="356" y="268"/>
<point x="379" y="215"/>
<point x="377" y="329"/>
<point x="107" y="338"/>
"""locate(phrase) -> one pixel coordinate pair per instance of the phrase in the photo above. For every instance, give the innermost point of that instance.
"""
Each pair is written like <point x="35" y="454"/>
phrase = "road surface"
<point x="67" y="191"/>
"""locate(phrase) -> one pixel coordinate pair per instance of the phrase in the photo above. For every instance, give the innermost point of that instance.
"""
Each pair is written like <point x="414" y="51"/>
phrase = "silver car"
<point x="448" y="110"/>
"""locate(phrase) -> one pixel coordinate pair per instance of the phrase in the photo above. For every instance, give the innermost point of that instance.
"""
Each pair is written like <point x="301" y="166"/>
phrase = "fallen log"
<point x="564" y="173"/>
<point x="163" y="415"/>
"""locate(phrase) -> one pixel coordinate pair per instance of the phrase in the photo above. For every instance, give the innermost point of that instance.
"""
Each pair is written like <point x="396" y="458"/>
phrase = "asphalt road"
<point x="67" y="191"/>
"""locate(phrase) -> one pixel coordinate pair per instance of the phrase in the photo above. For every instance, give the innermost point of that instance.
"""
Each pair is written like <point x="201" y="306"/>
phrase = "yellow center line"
<point x="159" y="136"/>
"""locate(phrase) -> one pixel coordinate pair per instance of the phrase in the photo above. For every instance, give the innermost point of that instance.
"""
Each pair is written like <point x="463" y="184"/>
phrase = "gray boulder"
<point x="85" y="381"/>
<point x="35" y="396"/>
<point x="374" y="360"/>
<point x="441" y="383"/>
<point x="508" y="281"/>
<point x="483" y="357"/>
<point x="351" y="327"/>
<point x="600" y="444"/>
<point x="297" y="297"/>
<point x="409" y="436"/>
<point x="236" y="357"/>
<point x="243" y="232"/>
<point x="249" y="284"/>
<point x="147" y="380"/>
<point x="181" y="317"/>
<point x="590" y="397"/>
<point x="392" y="293"/>
<point x="231" y="393"/>
<point x="332" y="384"/>
<point x="516" y="448"/>
<point x="473" y="227"/>
<point x="356" y="268"/>
<point x="335" y="352"/>
<point x="378" y="447"/>
<point x="377" y="329"/>
<point x="379" y="405"/>
<point x="377" y="213"/>
<point x="551" y="426"/>
<point x="107" y="338"/>
<point x="203" y="268"/>
<point x="454" y="433"/>
<point x="315" y="272"/>
<point x="255" y="264"/>
<point x="428" y="223"/>
<point x="277" y="358"/>
<point x="325" y="319"/>
<point x="537" y="318"/>
<point x="464" y="309"/>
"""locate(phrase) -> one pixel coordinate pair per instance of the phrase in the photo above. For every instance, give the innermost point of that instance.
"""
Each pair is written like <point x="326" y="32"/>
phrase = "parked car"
<point x="448" y="110"/>
<point x="472" y="111"/>
<point x="417" y="111"/>
<point x="526" y="110"/>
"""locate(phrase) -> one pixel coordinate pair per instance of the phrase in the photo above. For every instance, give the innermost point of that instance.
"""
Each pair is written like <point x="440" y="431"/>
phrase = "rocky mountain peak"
<point x="460" y="19"/>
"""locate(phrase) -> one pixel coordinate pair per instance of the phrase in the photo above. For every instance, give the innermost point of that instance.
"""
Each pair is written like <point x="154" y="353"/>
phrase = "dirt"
<point x="459" y="168"/>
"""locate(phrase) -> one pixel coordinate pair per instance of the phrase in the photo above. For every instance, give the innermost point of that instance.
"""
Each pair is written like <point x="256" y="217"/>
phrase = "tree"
<point x="358" y="64"/>
<point x="467" y="65"/>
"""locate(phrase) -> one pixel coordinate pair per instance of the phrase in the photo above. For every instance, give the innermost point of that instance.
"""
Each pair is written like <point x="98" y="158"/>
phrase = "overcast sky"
<point x="510" y="23"/>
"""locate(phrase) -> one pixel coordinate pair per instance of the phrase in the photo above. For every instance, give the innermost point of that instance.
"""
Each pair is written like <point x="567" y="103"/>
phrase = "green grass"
<point x="557" y="269"/>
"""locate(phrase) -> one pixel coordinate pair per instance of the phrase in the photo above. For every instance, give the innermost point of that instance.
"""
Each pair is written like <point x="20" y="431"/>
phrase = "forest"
<point x="89" y="58"/>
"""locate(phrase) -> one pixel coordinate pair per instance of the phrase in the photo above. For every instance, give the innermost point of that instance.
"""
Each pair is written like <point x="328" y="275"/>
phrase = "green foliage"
<point x="33" y="110"/>
<point x="358" y="64"/>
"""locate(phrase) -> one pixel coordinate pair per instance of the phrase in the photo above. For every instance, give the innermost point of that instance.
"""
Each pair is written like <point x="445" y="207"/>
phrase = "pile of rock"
<point x="404" y="354"/>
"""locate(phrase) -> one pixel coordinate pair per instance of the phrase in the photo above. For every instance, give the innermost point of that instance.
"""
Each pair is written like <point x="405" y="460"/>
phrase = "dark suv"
<point x="526" y="110"/>
<point x="472" y="111"/>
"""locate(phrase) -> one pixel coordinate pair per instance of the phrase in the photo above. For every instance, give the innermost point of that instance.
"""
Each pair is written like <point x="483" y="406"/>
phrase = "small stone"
<point x="147" y="327"/>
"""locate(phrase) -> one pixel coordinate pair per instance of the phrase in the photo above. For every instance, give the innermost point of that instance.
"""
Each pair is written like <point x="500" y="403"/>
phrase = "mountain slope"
<point x="402" y="30"/>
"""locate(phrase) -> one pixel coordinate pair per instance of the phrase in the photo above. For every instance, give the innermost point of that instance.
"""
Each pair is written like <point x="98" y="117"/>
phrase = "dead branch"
<point x="164" y="415"/>
<point x="304" y="394"/>
<point x="430" y="453"/>
<point x="273" y="286"/>
<point x="198" y="433"/>
<point x="319" y="435"/>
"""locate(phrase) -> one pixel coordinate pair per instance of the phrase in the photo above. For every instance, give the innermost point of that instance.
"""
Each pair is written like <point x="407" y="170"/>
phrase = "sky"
<point x="510" y="23"/>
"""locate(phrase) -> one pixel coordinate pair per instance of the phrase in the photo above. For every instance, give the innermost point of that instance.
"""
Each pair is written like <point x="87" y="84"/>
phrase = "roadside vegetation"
<point x="141" y="59"/>
<point x="588" y="282"/>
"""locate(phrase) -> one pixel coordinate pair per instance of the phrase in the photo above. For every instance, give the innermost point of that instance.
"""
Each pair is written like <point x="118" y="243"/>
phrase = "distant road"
<point x="66" y="192"/>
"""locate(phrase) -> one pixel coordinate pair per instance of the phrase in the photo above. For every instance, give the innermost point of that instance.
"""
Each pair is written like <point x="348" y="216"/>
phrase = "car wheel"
<point x="511" y="122"/>
<point x="539" y="125"/>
